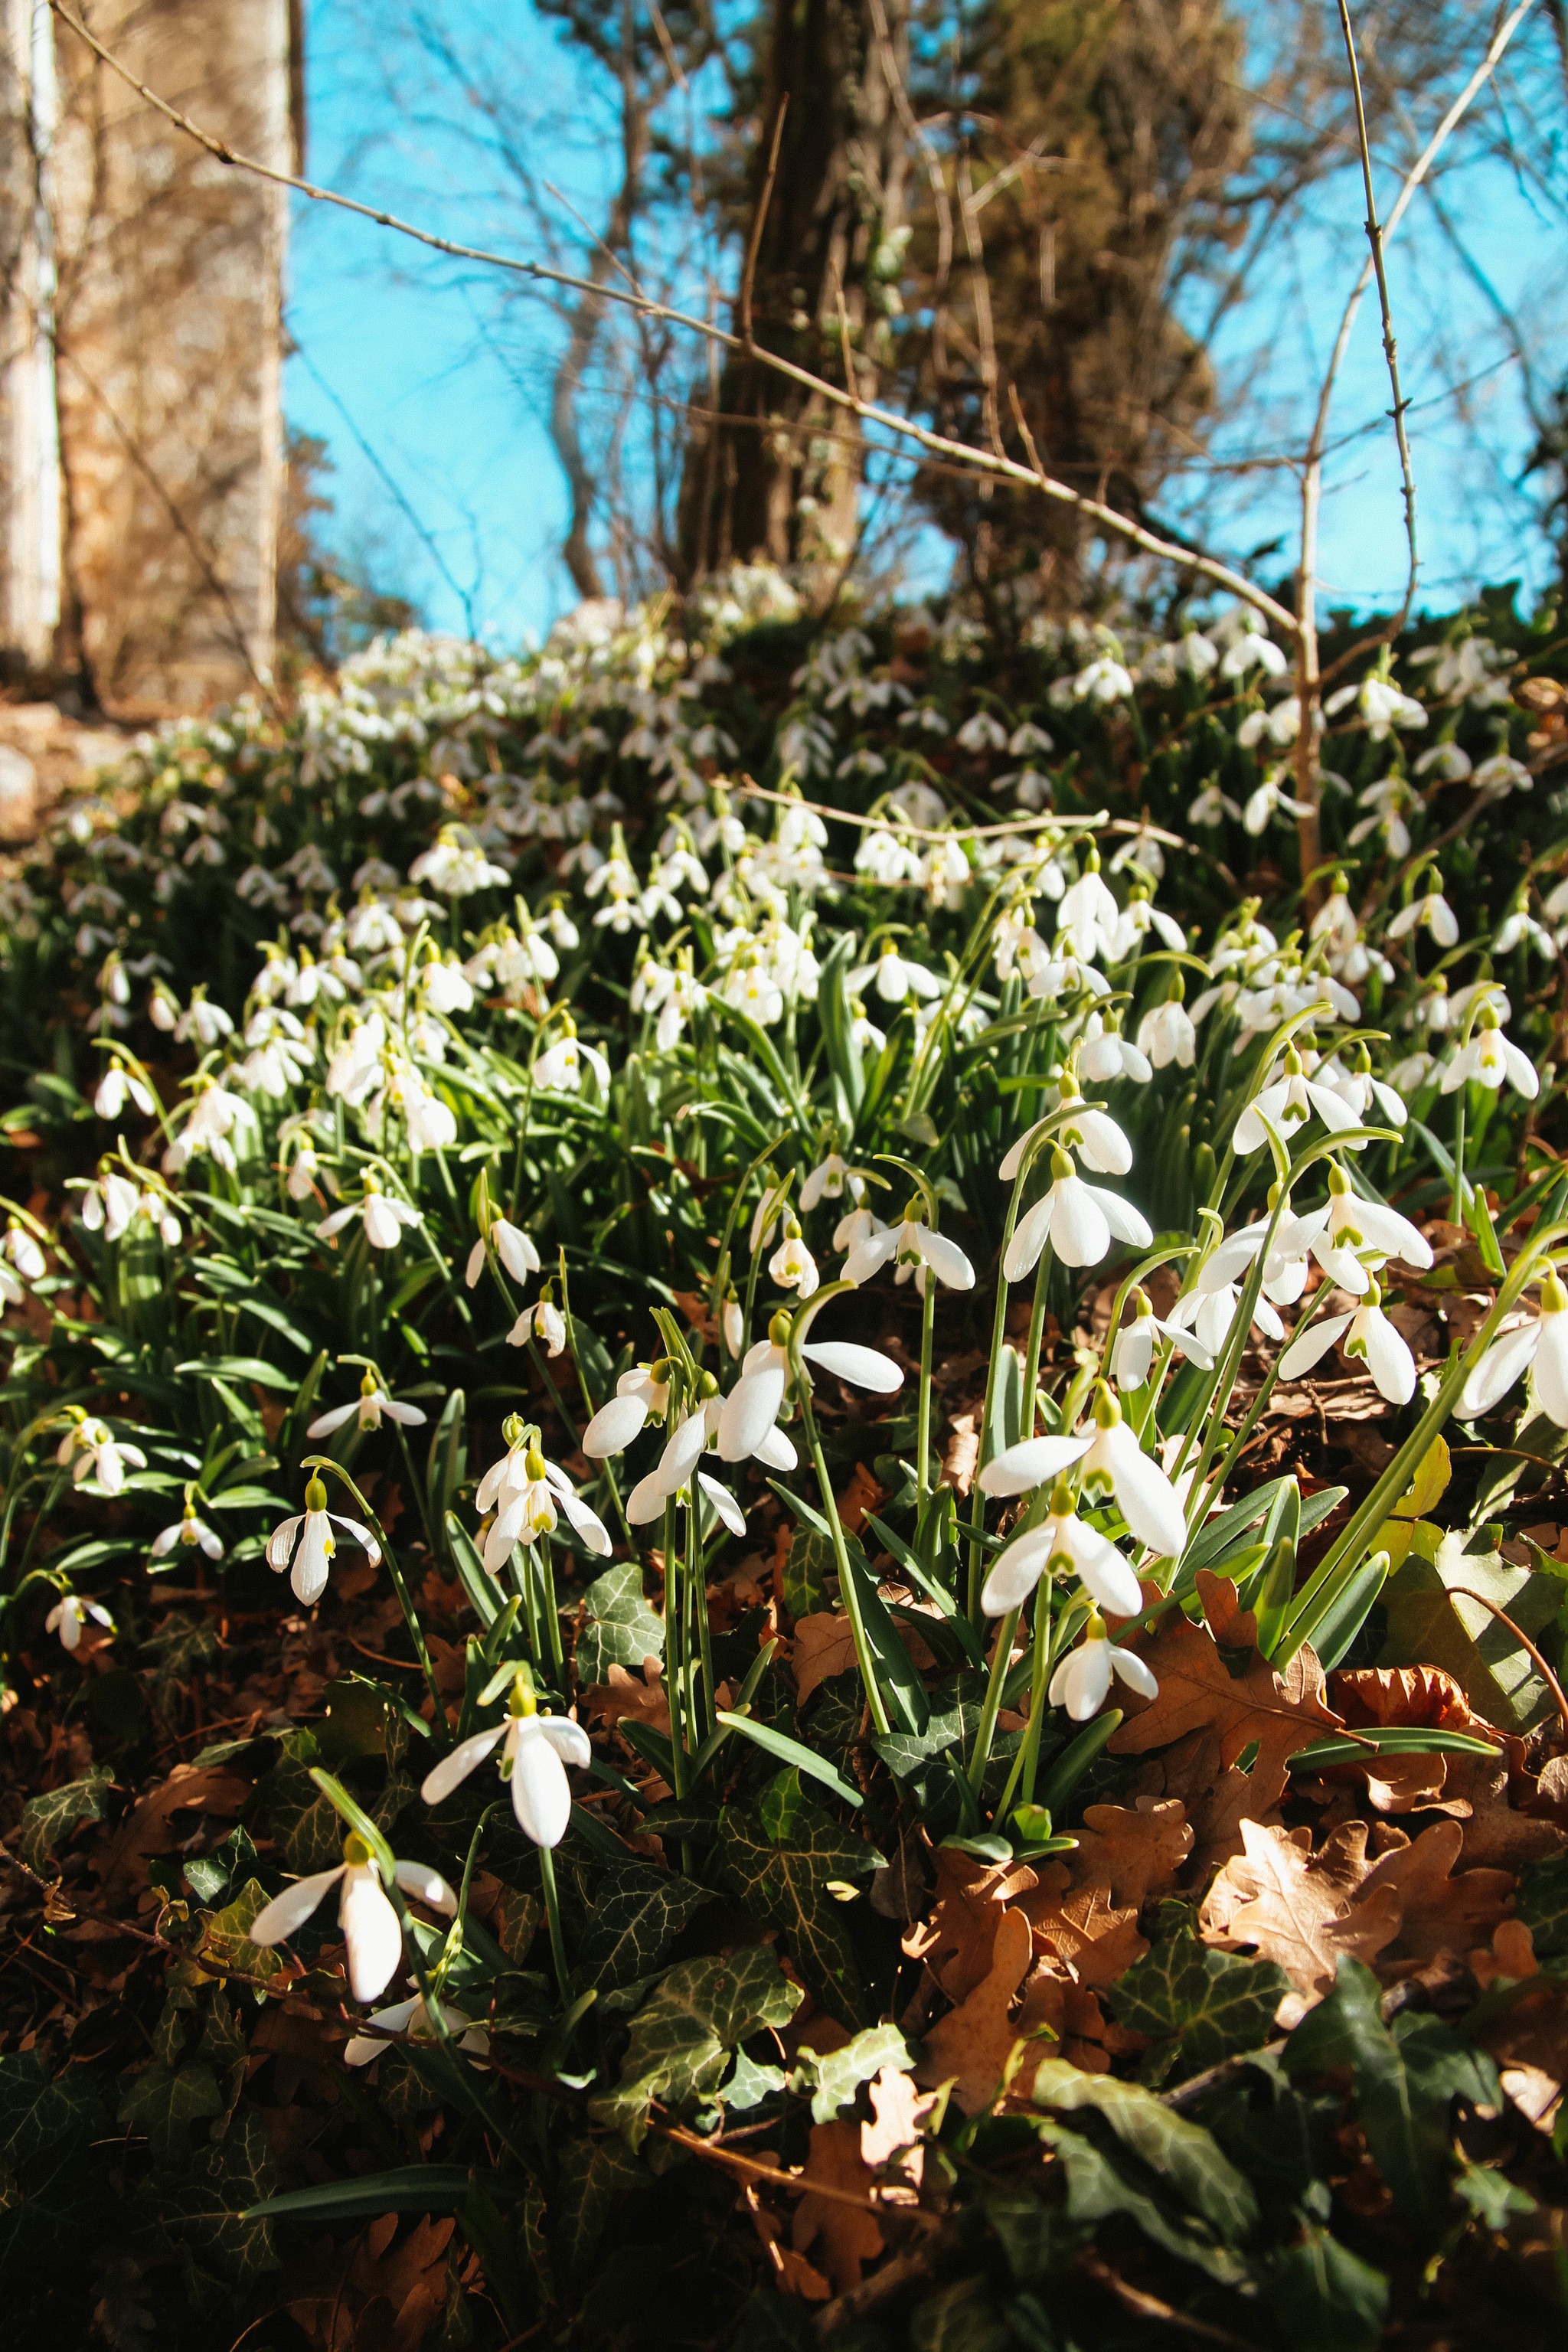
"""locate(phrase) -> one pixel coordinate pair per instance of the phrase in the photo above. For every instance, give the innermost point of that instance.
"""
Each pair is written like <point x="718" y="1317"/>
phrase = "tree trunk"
<point x="771" y="472"/>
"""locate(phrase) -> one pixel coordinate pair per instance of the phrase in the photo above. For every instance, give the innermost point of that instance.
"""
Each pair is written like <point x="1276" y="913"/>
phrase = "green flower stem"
<point x="522" y="1577"/>
<point x="998" y="1332"/>
<point x="674" y="1646"/>
<point x="985" y="1730"/>
<point x="851" y="1598"/>
<point x="321" y="1462"/>
<point x="1028" y="1758"/>
<point x="696" y="1586"/>
<point x="1036" y="1336"/>
<point x="922" y="1428"/>
<point x="545" y="1567"/>
<point x="553" y="1913"/>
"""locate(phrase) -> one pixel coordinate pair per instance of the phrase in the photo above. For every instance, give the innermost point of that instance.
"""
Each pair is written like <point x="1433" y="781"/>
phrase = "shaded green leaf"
<point x="637" y="1913"/>
<point x="1203" y="2002"/>
<point x="1326" y="2299"/>
<point x="786" y="1886"/>
<point x="618" y="1628"/>
<point x="593" y="2174"/>
<point x="50" y="1816"/>
<point x="1543" y="1905"/>
<point x="1181" y="2153"/>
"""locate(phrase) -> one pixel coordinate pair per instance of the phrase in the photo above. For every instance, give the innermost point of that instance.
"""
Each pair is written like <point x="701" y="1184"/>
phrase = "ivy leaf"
<point x="1543" y="1905"/>
<point x="593" y="2174"/>
<point x="787" y="1886"/>
<point x="1097" y="2188"/>
<point x="1326" y="2299"/>
<point x="751" y="2084"/>
<point x="202" y="2215"/>
<point x="805" y="1568"/>
<point x="1180" y="2152"/>
<point x="164" y="2102"/>
<point x="35" y="2113"/>
<point x="1203" y="2003"/>
<point x="639" y="1913"/>
<point x="47" y="1818"/>
<point x="963" y="2316"/>
<point x="833" y="2080"/>
<point x="54" y="2202"/>
<point x="303" y="1820"/>
<point x="618" y="1628"/>
<point x="682" y="2035"/>
<point x="183" y="1646"/>
<point x="228" y="1944"/>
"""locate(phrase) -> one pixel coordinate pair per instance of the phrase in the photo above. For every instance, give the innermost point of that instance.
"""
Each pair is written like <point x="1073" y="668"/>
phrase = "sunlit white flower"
<point x="371" y="1931"/>
<point x="411" y="2018"/>
<point x="1519" y="927"/>
<point x="511" y="1244"/>
<point x="307" y="1542"/>
<point x="1104" y="1055"/>
<point x="1253" y="650"/>
<point x="370" y="1404"/>
<point x="1286" y="1104"/>
<point x="1502" y="775"/>
<point x="1093" y="1134"/>
<point x="542" y="1321"/>
<point x="1078" y="1220"/>
<point x="1488" y="1059"/>
<point x="1271" y="795"/>
<point x="1165" y="1035"/>
<point x="560" y="1066"/>
<point x="1540" y="1341"/>
<point x="1369" y="1334"/>
<point x="747" y="1421"/>
<point x="529" y="1495"/>
<point x="98" y="1455"/>
<point x="382" y="1216"/>
<point x="1083" y="1681"/>
<point x="69" y="1614"/>
<point x="1380" y="703"/>
<point x="641" y="1393"/>
<point x="1431" y="913"/>
<point x="792" y="1265"/>
<point x="454" y="866"/>
<point x="827" y="1182"/>
<point x="23" y="1252"/>
<point x="894" y="977"/>
<point x="1109" y="1454"/>
<point x="856" y="1226"/>
<point x="1133" y="1349"/>
<point x="1088" y="917"/>
<point x="914" y="1249"/>
<point x="1210" y="1308"/>
<point x="115" y="1085"/>
<point x="1066" y="1546"/>
<point x="536" y="1752"/>
<point x="186" y="1532"/>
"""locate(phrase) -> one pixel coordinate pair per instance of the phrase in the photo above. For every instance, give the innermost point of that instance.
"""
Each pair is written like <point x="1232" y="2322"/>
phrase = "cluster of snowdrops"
<point x="918" y="1008"/>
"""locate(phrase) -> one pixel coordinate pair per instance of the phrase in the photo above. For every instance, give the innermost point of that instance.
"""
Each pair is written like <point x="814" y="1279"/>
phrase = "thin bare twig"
<point x="754" y="246"/>
<point x="1525" y="1643"/>
<point x="939" y="444"/>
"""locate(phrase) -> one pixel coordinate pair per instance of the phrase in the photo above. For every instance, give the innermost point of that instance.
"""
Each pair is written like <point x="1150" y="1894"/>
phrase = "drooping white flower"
<point x="98" y="1455"/>
<point x="411" y="2018"/>
<point x="1166" y="1035"/>
<point x="1108" y="1454"/>
<point x="69" y="1614"/>
<point x="1065" y="1545"/>
<point x="1542" y="1342"/>
<point x="383" y="1215"/>
<point x="1369" y="1334"/>
<point x="915" y="1249"/>
<point x="371" y="1931"/>
<point x="1431" y="913"/>
<point x="311" y="1552"/>
<point x="511" y="1244"/>
<point x="1083" y="1681"/>
<point x="188" y="1530"/>
<point x="642" y="1392"/>
<point x="1133" y="1349"/>
<point x="536" y="1752"/>
<point x="114" y="1088"/>
<point x="528" y="1495"/>
<point x="1104" y="1055"/>
<point x="1078" y="1220"/>
<point x="542" y="1321"/>
<point x="894" y="977"/>
<point x="560" y="1068"/>
<point x="1088" y="917"/>
<point x="1092" y="1135"/>
<point x="1488" y="1059"/>
<point x="747" y="1421"/>
<point x="23" y="1252"/>
<point x="371" y="1404"/>
<point x="827" y="1182"/>
<point x="792" y="1265"/>
<point x="1289" y="1103"/>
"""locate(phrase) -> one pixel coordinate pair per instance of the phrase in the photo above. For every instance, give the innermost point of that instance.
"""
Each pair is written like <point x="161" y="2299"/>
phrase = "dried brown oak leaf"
<point x="1499" y="1833"/>
<point x="1529" y="2039"/>
<point x="970" y="2046"/>
<point x="1084" y="1913"/>
<point x="388" y="2296"/>
<point x="890" y="2143"/>
<point x="1201" y="1702"/>
<point x="1302" y="1909"/>
<point x="148" y="1830"/>
<point x="823" y="1646"/>
<point x="957" y="1939"/>
<point x="1438" y="1913"/>
<point x="642" y="1697"/>
<point x="842" y="2237"/>
<point x="1071" y="2013"/>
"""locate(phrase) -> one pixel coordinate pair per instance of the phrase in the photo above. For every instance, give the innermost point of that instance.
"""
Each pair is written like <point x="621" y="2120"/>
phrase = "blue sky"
<point x="431" y="402"/>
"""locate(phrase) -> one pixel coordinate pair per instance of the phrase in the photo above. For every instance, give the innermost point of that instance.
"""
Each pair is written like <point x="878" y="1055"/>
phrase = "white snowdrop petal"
<point x="453" y="1769"/>
<point x="1020" y="1467"/>
<point x="1148" y="1500"/>
<point x="540" y="1795"/>
<point x="750" y="1411"/>
<point x="1312" y="1346"/>
<point x="371" y="1932"/>
<point x="1499" y="1368"/>
<point x="426" y="1887"/>
<point x="725" y="1503"/>
<point x="614" y="1426"/>
<point x="863" y="1367"/>
<point x="1552" y="1368"/>
<point x="290" y="1910"/>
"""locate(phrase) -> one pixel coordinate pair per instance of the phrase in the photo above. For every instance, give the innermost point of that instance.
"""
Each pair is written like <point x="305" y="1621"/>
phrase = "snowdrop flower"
<point x="1111" y="1455"/>
<point x="370" y="1929"/>
<point x="792" y="1265"/>
<point x="1096" y="1137"/>
<point x="383" y="1217"/>
<point x="894" y="978"/>
<point x="1211" y="806"/>
<point x="535" y="1752"/>
<point x="1062" y="1545"/>
<point x="98" y="1455"/>
<point x="109" y="1205"/>
<point x="542" y="1321"/>
<point x="1289" y="1103"/>
<point x="1365" y="1093"/>
<point x="1104" y="1055"/>
<point x="447" y="986"/>
<point x="915" y="1249"/>
<point x="1542" y="1342"/>
<point x="115" y="1085"/>
<point x="23" y="1252"/>
<point x="1369" y="1334"/>
<point x="747" y="1421"/>
<point x="1431" y="913"/>
<point x="1078" y="1220"/>
<point x="640" y="1394"/>
<point x="1088" y="917"/>
<point x="207" y="1024"/>
<point x="1519" y="928"/>
<point x="528" y="1494"/>
<point x="1447" y="761"/>
<point x="1502" y="775"/>
<point x="827" y="1182"/>
<point x="1381" y="704"/>
<point x="868" y="1038"/>
<point x="186" y="1532"/>
<point x="370" y="1405"/>
<point x="69" y="1614"/>
<point x="1209" y="1311"/>
<point x="1165" y="1033"/>
<point x="981" y="733"/>
<point x="511" y="1244"/>
<point x="1133" y="1349"/>
<point x="1083" y="1681"/>
<point x="312" y="1555"/>
<point x="560" y="1067"/>
<point x="1270" y="795"/>
<point x="455" y="866"/>
<point x="1250" y="650"/>
<point x="413" y="2018"/>
<point x="677" y="1466"/>
<point x="1488" y="1059"/>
